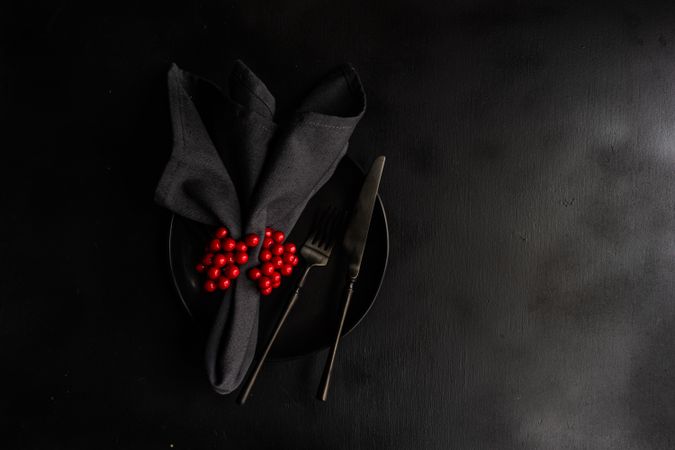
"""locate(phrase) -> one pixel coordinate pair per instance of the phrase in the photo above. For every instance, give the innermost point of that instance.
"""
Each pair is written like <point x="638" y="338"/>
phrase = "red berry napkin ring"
<point x="224" y="255"/>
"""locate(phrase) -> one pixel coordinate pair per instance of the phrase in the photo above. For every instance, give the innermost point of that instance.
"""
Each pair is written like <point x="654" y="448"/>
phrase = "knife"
<point x="354" y="244"/>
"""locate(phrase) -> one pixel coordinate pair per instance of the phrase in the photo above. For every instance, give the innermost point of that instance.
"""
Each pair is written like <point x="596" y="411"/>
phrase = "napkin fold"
<point x="235" y="163"/>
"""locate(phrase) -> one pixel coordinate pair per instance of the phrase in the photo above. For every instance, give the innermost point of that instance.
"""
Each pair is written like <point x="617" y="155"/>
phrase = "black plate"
<point x="312" y="323"/>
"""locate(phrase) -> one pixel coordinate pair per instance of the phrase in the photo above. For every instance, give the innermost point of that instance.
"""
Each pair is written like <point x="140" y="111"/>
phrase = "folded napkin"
<point x="234" y="163"/>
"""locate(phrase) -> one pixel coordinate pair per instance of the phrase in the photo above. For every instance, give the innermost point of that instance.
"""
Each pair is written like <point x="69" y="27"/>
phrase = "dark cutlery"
<point x="315" y="252"/>
<point x="354" y="244"/>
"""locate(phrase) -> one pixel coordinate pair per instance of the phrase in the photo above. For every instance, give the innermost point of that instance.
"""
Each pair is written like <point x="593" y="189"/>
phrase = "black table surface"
<point x="530" y="189"/>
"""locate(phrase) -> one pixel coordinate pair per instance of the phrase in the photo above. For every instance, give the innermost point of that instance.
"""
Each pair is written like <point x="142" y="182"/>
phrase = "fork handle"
<point x="251" y="381"/>
<point x="328" y="369"/>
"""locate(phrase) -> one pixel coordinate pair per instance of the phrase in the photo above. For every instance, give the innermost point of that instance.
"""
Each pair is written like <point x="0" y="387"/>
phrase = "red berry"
<point x="219" y="260"/>
<point x="276" y="278"/>
<point x="276" y="285"/>
<point x="278" y="236"/>
<point x="288" y="258"/>
<point x="254" y="274"/>
<point x="277" y="262"/>
<point x="232" y="271"/>
<point x="208" y="259"/>
<point x="229" y="244"/>
<point x="296" y="260"/>
<point x="209" y="286"/>
<point x="252" y="240"/>
<point x="267" y="242"/>
<point x="200" y="267"/>
<point x="266" y="291"/>
<point x="229" y="258"/>
<point x="214" y="245"/>
<point x="268" y="232"/>
<point x="241" y="258"/>
<point x="287" y="270"/>
<point x="265" y="255"/>
<point x="264" y="283"/>
<point x="267" y="269"/>
<point x="213" y="273"/>
<point x="290" y="247"/>
<point x="221" y="232"/>
<point x="223" y="283"/>
<point x="277" y="249"/>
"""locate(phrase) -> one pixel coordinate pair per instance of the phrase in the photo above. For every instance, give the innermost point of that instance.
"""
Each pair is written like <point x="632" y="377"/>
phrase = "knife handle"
<point x="251" y="381"/>
<point x="328" y="369"/>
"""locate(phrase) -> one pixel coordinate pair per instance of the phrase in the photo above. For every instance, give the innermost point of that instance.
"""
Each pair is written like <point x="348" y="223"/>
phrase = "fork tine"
<point x="322" y="218"/>
<point x="317" y="234"/>
<point x="327" y="227"/>
<point x="315" y="226"/>
<point x="334" y="229"/>
<point x="338" y="224"/>
<point x="331" y="231"/>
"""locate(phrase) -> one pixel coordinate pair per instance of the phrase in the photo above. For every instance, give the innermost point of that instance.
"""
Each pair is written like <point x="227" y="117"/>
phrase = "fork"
<point x="316" y="252"/>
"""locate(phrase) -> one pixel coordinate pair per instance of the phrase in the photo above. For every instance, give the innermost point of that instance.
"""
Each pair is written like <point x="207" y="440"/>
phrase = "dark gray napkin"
<point x="234" y="163"/>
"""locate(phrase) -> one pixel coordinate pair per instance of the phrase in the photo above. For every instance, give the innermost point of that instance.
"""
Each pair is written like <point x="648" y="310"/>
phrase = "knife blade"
<point x="356" y="234"/>
<point x="354" y="244"/>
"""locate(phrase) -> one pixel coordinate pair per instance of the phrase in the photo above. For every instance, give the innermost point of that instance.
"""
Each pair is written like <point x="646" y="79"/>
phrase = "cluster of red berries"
<point x="277" y="259"/>
<point x="223" y="256"/>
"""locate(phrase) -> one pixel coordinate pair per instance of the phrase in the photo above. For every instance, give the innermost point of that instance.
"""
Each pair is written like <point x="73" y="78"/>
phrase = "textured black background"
<point x="530" y="188"/>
